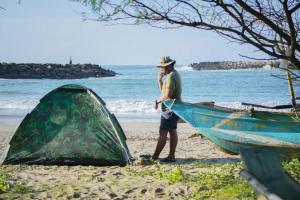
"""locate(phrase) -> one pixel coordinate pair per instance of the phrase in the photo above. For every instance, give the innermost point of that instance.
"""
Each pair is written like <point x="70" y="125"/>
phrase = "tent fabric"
<point x="70" y="126"/>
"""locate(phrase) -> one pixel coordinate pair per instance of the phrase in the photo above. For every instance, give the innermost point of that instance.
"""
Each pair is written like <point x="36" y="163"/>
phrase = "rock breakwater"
<point x="226" y="65"/>
<point x="52" y="71"/>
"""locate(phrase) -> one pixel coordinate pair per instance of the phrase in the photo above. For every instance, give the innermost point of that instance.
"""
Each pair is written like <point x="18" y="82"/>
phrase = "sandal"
<point x="145" y="155"/>
<point x="154" y="158"/>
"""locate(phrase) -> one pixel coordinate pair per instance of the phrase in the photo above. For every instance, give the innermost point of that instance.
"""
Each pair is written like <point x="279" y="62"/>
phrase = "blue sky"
<point x="50" y="31"/>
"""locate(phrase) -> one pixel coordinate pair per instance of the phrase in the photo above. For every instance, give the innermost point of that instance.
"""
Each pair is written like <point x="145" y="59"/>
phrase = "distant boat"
<point x="233" y="129"/>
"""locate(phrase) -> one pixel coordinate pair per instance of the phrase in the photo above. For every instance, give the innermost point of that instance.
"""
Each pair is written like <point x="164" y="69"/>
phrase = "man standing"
<point x="170" y="89"/>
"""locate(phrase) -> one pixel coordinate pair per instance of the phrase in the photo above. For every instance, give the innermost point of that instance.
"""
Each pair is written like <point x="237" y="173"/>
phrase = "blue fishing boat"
<point x="258" y="136"/>
<point x="233" y="129"/>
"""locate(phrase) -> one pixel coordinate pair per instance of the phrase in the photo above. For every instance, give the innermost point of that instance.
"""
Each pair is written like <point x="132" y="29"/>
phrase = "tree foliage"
<point x="272" y="26"/>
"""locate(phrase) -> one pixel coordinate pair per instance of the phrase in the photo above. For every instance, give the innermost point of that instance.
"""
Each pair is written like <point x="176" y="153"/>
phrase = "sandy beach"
<point x="131" y="182"/>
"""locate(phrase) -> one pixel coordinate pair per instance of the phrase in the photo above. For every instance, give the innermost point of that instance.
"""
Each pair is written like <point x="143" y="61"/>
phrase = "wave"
<point x="131" y="106"/>
<point x="118" y="76"/>
<point x="268" y="67"/>
<point x="115" y="106"/>
<point x="185" y="68"/>
<point x="18" y="104"/>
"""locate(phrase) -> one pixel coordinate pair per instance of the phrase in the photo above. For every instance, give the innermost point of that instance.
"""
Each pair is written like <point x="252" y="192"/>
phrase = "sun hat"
<point x="165" y="61"/>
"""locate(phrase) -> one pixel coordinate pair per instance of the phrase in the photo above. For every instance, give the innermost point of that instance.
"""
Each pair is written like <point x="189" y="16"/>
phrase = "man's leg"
<point x="160" y="143"/>
<point x="173" y="143"/>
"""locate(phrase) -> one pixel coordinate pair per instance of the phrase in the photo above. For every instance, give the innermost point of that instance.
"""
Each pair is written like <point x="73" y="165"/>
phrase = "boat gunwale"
<point x="222" y="108"/>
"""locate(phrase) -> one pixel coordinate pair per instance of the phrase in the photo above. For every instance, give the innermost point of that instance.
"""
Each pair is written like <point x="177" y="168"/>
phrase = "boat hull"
<point x="235" y="129"/>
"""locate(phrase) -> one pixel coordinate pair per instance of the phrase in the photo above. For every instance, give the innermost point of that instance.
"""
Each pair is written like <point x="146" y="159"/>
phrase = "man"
<point x="170" y="89"/>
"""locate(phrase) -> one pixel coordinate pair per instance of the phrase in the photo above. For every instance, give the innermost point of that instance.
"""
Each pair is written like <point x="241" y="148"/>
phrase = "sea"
<point x="131" y="94"/>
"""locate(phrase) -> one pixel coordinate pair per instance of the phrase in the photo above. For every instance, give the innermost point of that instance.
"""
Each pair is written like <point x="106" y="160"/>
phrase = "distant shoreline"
<point x="229" y="65"/>
<point x="52" y="71"/>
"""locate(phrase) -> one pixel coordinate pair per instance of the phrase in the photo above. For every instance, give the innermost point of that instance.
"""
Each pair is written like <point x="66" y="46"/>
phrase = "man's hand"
<point x="161" y="74"/>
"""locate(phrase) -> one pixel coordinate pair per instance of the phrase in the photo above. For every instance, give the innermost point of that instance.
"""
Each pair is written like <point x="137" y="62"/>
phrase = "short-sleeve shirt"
<point x="173" y="82"/>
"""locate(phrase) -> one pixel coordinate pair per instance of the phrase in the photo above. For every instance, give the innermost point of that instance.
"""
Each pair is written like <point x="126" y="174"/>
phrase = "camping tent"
<point x="70" y="126"/>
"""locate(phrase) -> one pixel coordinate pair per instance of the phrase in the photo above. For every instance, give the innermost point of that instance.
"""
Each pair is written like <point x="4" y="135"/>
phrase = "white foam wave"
<point x="185" y="68"/>
<point x="131" y="106"/>
<point x="268" y="67"/>
<point x="18" y="104"/>
<point x="119" y="106"/>
<point x="118" y="76"/>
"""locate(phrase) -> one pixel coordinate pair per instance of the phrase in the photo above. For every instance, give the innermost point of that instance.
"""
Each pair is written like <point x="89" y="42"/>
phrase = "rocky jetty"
<point x="226" y="65"/>
<point x="52" y="71"/>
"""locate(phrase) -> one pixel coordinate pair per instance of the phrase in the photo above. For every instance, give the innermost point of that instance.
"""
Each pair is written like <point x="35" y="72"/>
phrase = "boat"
<point x="233" y="129"/>
<point x="261" y="138"/>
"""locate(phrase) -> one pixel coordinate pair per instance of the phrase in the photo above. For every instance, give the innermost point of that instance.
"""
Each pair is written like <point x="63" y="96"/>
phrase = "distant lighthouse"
<point x="70" y="62"/>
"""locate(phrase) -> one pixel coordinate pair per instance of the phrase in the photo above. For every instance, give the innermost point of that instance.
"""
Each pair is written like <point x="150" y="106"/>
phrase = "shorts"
<point x="168" y="124"/>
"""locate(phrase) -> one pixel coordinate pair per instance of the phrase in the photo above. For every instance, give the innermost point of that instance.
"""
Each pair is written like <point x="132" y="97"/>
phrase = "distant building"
<point x="70" y="60"/>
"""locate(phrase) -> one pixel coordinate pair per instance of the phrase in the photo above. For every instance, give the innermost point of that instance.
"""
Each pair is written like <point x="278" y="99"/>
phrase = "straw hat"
<point x="166" y="61"/>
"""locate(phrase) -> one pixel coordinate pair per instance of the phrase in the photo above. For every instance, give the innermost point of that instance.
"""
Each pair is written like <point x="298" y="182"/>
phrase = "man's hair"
<point x="171" y="66"/>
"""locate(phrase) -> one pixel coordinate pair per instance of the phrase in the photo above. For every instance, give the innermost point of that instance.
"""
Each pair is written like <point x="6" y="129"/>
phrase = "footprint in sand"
<point x="143" y="191"/>
<point x="117" y="174"/>
<point x="112" y="195"/>
<point x="159" y="190"/>
<point x="76" y="195"/>
<point x="131" y="190"/>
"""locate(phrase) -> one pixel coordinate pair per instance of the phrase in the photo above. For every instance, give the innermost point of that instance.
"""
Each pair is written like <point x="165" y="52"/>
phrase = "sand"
<point x="90" y="182"/>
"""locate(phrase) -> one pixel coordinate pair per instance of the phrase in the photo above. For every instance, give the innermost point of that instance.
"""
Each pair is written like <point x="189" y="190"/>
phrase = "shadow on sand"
<point x="184" y="161"/>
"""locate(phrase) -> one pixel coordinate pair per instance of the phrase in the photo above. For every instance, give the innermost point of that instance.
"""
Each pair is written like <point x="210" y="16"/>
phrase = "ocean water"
<point x="131" y="94"/>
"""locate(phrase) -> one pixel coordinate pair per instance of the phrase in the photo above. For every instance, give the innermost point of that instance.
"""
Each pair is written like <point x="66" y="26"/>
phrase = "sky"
<point x="50" y="31"/>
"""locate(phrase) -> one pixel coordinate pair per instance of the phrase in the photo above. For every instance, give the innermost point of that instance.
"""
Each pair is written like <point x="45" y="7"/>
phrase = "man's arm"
<point x="167" y="95"/>
<point x="168" y="92"/>
<point x="170" y="86"/>
<point x="159" y="78"/>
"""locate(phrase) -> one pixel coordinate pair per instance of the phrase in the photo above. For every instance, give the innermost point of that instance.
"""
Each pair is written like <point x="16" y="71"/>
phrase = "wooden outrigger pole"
<point x="291" y="88"/>
<point x="289" y="77"/>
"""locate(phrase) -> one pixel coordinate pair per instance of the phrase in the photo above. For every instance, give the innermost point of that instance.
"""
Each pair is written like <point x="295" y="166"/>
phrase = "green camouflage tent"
<point x="70" y="126"/>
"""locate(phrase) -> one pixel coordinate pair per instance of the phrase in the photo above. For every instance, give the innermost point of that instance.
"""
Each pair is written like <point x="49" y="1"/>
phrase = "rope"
<point x="173" y="101"/>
